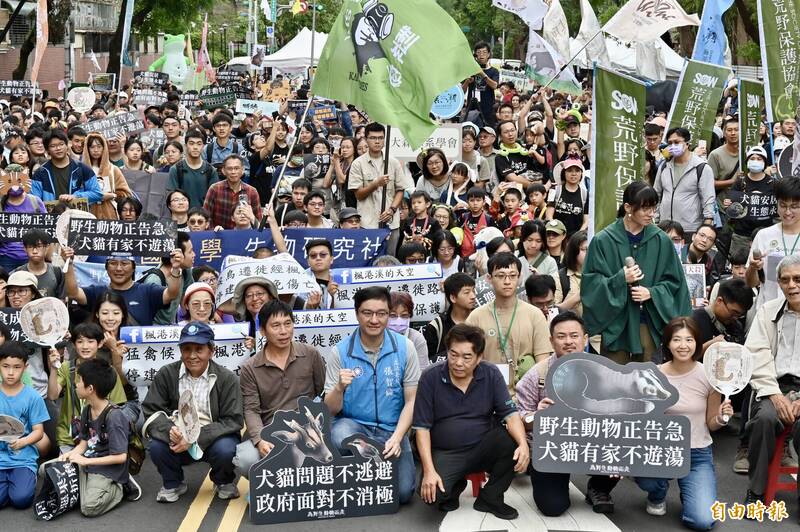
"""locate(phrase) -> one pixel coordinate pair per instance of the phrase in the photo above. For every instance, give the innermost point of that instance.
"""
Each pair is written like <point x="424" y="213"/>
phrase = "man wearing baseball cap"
<point x="486" y="139"/>
<point x="349" y="218"/>
<point x="216" y="396"/>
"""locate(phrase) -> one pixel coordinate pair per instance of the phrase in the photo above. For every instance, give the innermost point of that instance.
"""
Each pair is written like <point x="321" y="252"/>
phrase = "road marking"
<point x="232" y="517"/>
<point x="199" y="507"/>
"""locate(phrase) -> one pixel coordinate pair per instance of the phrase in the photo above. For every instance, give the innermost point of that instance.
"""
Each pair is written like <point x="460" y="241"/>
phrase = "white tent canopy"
<point x="623" y="57"/>
<point x="296" y="54"/>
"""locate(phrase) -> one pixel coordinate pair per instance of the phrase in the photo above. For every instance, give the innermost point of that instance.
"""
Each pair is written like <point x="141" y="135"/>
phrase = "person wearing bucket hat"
<point x="755" y="192"/>
<point x="249" y="295"/>
<point x="218" y="399"/>
<point x="571" y="199"/>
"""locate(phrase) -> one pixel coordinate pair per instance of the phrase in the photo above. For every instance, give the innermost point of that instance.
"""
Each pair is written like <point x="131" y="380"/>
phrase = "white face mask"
<point x="755" y="166"/>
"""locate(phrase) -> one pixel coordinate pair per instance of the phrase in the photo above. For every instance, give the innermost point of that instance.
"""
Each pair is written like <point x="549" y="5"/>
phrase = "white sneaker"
<point x="171" y="495"/>
<point x="226" y="491"/>
<point x="657" y="508"/>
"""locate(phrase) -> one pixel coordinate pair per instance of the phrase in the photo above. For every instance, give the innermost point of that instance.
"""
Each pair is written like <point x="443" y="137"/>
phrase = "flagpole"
<point x="385" y="171"/>
<point x="570" y="61"/>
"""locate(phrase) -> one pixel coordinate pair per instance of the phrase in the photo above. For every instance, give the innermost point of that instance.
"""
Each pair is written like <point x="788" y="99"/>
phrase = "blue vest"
<point x="375" y="397"/>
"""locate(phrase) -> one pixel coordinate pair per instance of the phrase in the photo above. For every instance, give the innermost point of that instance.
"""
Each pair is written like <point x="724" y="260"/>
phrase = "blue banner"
<point x="710" y="44"/>
<point x="89" y="273"/>
<point x="352" y="248"/>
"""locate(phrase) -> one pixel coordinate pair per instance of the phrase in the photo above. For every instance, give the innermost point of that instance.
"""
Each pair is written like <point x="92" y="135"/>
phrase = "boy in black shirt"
<point x="422" y="226"/>
<point x="474" y="220"/>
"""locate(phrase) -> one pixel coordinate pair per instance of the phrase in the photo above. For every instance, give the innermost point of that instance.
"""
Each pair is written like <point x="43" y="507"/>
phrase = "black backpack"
<point x="136" y="452"/>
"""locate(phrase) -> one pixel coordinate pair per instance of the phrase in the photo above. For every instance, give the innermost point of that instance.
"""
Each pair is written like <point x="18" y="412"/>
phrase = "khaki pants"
<point x="648" y="346"/>
<point x="99" y="494"/>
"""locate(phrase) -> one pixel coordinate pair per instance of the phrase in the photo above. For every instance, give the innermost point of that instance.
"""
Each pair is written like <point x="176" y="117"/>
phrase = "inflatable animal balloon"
<point x="173" y="62"/>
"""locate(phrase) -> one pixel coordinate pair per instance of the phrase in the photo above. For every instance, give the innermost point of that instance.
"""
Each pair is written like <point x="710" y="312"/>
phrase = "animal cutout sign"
<point x="13" y="179"/>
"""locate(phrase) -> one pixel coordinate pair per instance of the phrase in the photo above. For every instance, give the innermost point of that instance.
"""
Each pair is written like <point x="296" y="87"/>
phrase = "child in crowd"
<point x="18" y="458"/>
<point x="87" y="337"/>
<point x="510" y="203"/>
<point x="422" y="226"/>
<point x="102" y="453"/>
<point x="455" y="196"/>
<point x="537" y="201"/>
<point x="474" y="220"/>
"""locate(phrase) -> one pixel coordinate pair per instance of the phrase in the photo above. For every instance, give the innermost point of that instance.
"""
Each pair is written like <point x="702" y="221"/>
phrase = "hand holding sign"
<point x="11" y="429"/>
<point x="728" y="367"/>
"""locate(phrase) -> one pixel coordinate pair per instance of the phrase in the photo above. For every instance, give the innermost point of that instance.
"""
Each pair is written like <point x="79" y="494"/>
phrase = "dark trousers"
<point x="551" y="490"/>
<point x="17" y="487"/>
<point x="494" y="454"/>
<point x="763" y="429"/>
<point x="219" y="455"/>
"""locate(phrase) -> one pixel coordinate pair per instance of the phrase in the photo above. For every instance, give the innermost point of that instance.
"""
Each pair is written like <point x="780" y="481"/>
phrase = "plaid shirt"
<point x="221" y="201"/>
<point x="201" y="390"/>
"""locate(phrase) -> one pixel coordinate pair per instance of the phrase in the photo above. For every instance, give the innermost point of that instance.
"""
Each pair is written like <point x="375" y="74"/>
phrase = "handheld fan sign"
<point x="187" y="420"/>
<point x="728" y="367"/>
<point x="11" y="429"/>
<point x="45" y="321"/>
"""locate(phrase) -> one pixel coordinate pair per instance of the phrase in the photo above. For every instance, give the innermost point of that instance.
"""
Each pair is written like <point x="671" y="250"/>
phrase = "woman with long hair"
<point x="109" y="177"/>
<point x="361" y="146"/>
<point x="21" y="155"/>
<point x="111" y="314"/>
<point x="703" y="405"/>
<point x="134" y="156"/>
<point x="445" y="250"/>
<point x="401" y="314"/>
<point x="129" y="209"/>
<point x="630" y="304"/>
<point x="455" y="195"/>
<point x="18" y="201"/>
<point x="532" y="252"/>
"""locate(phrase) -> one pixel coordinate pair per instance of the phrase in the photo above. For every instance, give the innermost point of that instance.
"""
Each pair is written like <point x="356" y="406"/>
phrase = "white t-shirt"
<point x="774" y="245"/>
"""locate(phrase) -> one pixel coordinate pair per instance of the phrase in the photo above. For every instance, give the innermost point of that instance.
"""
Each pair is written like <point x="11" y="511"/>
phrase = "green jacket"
<point x="607" y="305"/>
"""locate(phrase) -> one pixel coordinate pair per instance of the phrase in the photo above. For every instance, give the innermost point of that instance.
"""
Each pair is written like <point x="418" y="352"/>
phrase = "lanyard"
<point x="785" y="247"/>
<point x="503" y="338"/>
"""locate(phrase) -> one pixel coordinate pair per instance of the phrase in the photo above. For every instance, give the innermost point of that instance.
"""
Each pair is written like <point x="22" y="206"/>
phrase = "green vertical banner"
<point x="779" y="36"/>
<point x="751" y="103"/>
<point x="696" y="99"/>
<point x="617" y="147"/>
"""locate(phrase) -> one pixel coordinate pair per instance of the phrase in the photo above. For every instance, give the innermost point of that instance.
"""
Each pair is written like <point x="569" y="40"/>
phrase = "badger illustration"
<point x="592" y="387"/>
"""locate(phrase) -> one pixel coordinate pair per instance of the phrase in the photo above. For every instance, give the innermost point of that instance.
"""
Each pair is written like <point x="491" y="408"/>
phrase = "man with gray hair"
<point x="773" y="341"/>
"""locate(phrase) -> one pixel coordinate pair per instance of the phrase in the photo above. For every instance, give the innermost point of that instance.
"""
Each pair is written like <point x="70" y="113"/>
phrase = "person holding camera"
<point x="481" y="86"/>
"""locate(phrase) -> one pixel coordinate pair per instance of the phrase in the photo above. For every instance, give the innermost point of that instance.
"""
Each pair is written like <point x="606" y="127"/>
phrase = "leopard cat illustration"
<point x="590" y="386"/>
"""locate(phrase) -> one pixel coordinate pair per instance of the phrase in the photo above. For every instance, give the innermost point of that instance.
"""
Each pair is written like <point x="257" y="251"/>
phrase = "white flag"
<point x="650" y="61"/>
<point x="530" y="11"/>
<point x="556" y="31"/>
<point x="543" y="63"/>
<point x="647" y="20"/>
<point x="590" y="32"/>
<point x="266" y="8"/>
<point x="96" y="64"/>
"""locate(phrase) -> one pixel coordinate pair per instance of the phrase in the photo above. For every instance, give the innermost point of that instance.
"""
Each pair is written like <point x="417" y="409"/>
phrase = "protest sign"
<point x="449" y="103"/>
<point x="81" y="99"/>
<point x="151" y="348"/>
<point x="608" y="419"/>
<point x="149" y="189"/>
<point x="518" y="77"/>
<point x="109" y="127"/>
<point x="81" y="204"/>
<point x="143" y="78"/>
<point x="315" y="166"/>
<point x="253" y="106"/>
<point x="447" y="138"/>
<point x="617" y="152"/>
<point x="14" y="175"/>
<point x="110" y="237"/>
<point x="296" y="106"/>
<point x="696" y="281"/>
<point x="14" y="225"/>
<point x="89" y="273"/>
<point x="152" y="138"/>
<point x="751" y="103"/>
<point x="214" y="97"/>
<point x="728" y="367"/>
<point x="16" y="88"/>
<point x="420" y="281"/>
<point x="279" y="91"/>
<point x="323" y="112"/>
<point x="10" y="318"/>
<point x="352" y="248"/>
<point x="284" y="272"/>
<point x="226" y="77"/>
<point x="323" y="329"/>
<point x="189" y="99"/>
<point x="146" y="97"/>
<point x="778" y="27"/>
<point x="305" y="477"/>
<point x="102" y="81"/>
<point x="695" y="103"/>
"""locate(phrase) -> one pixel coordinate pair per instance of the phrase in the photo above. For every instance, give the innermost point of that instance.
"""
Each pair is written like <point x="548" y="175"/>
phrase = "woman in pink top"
<point x="703" y="405"/>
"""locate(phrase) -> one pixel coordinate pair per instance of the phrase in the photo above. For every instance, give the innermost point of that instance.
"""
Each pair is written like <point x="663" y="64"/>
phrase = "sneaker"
<point x="601" y="502"/>
<point x="657" y="508"/>
<point x="131" y="489"/>
<point x="788" y="459"/>
<point x="501" y="510"/>
<point x="741" y="464"/>
<point x="173" y="494"/>
<point x="752" y="498"/>
<point x="226" y="491"/>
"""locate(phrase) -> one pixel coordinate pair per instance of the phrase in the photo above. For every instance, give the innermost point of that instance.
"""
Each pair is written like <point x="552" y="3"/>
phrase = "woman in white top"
<point x="435" y="172"/>
<point x="445" y="251"/>
<point x="531" y="250"/>
<point x="400" y="315"/>
<point x="703" y="405"/>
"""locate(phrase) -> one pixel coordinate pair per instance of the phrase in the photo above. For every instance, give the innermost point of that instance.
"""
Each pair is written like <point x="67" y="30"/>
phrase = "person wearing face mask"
<point x="12" y="254"/>
<point x="755" y="192"/>
<point x="685" y="184"/>
<point x="400" y="314"/>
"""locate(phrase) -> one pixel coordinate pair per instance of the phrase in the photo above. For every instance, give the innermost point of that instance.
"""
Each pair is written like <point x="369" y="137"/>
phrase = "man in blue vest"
<point x="370" y="385"/>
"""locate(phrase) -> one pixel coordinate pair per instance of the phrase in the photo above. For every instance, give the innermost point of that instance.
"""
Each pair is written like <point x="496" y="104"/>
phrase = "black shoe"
<point x="501" y="510"/>
<point x="752" y="498"/>
<point x="601" y="502"/>
<point x="131" y="490"/>
<point x="452" y="503"/>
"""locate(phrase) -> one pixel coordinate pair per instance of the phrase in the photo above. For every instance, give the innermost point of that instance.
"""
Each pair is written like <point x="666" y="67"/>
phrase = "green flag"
<point x="392" y="59"/>
<point x="751" y="102"/>
<point x="779" y="36"/>
<point x="695" y="104"/>
<point x="617" y="150"/>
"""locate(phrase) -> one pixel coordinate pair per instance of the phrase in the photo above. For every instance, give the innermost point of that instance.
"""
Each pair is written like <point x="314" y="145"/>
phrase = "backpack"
<point x="581" y="187"/>
<point x="136" y="452"/>
<point x="210" y="149"/>
<point x="207" y="170"/>
<point x="158" y="272"/>
<point x="563" y="278"/>
<point x="436" y="323"/>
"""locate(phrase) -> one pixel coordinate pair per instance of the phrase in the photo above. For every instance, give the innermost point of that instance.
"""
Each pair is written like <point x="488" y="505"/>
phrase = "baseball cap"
<point x="123" y="94"/>
<point x="756" y="150"/>
<point x="489" y="130"/>
<point x="569" y="162"/>
<point x="196" y="332"/>
<point x="556" y="226"/>
<point x="571" y="119"/>
<point x="23" y="279"/>
<point x="348" y="212"/>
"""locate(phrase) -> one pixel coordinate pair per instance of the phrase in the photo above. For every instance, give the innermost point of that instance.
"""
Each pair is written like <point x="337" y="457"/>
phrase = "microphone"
<point x="630" y="263"/>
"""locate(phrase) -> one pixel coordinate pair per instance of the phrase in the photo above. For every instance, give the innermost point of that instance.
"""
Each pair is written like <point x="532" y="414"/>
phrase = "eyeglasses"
<point x="795" y="207"/>
<point x="179" y="199"/>
<point x="12" y="292"/>
<point x="209" y="280"/>
<point x="318" y="255"/>
<point x="316" y="204"/>
<point x="295" y="224"/>
<point x="201" y="305"/>
<point x="415" y="260"/>
<point x="369" y="314"/>
<point x="376" y="139"/>
<point x="733" y="312"/>
<point x="506" y="276"/>
<point x="36" y="246"/>
<point x="254" y="295"/>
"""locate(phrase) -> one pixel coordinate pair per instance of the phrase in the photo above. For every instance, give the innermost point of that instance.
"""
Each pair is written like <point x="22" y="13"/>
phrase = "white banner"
<point x="252" y="106"/>
<point x="285" y="272"/>
<point x="150" y="348"/>
<point x="321" y="329"/>
<point x="446" y="138"/>
<point x="696" y="281"/>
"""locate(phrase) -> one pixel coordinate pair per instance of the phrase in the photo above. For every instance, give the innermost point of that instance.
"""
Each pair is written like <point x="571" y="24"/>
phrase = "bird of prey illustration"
<point x="366" y="450"/>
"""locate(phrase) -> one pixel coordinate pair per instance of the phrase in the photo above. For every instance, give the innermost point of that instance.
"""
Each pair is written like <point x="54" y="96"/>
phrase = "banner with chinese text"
<point x="779" y="37"/>
<point x="696" y="99"/>
<point x="751" y="103"/>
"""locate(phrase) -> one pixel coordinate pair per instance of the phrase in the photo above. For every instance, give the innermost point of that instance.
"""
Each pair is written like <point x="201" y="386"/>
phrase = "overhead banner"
<point x="145" y="78"/>
<point x="421" y="281"/>
<point x="446" y="138"/>
<point x="617" y="154"/>
<point x="778" y="30"/>
<point x="16" y="88"/>
<point x="604" y="421"/>
<point x="751" y="103"/>
<point x="151" y="348"/>
<point x="696" y="99"/>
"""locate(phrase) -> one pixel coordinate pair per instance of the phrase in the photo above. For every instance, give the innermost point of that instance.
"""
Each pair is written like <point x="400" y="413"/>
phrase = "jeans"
<point x="698" y="490"/>
<point x="219" y="455"/>
<point x="343" y="427"/>
<point x="17" y="487"/>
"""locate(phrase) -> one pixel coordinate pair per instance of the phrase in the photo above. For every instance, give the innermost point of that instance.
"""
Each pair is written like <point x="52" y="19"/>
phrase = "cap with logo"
<point x="556" y="226"/>
<point x="196" y="332"/>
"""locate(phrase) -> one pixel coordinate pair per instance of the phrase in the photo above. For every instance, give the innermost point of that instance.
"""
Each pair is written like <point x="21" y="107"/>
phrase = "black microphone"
<point x="630" y="263"/>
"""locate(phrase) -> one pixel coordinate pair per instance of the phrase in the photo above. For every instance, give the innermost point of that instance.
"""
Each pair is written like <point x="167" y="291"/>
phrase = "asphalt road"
<point x="198" y="510"/>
